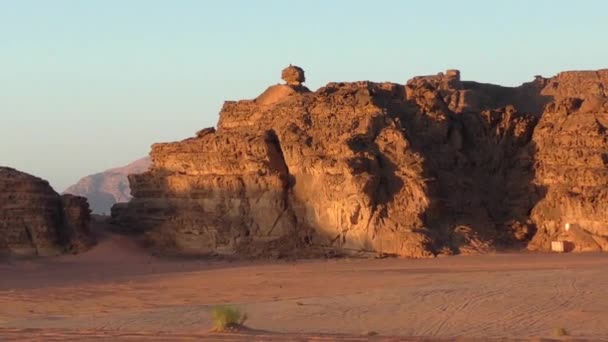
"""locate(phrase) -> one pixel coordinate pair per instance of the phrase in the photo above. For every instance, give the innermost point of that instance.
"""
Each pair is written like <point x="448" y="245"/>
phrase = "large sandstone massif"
<point x="434" y="166"/>
<point x="35" y="220"/>
<point x="106" y="188"/>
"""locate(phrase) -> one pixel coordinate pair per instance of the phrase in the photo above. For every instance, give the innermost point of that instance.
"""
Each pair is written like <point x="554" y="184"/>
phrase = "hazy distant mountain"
<point x="108" y="187"/>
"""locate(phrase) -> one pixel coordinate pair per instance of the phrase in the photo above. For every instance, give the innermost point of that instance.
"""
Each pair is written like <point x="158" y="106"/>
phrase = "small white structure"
<point x="567" y="227"/>
<point x="557" y="246"/>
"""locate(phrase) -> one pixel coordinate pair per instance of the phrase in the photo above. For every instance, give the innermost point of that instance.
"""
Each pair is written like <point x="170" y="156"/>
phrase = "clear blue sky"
<point x="89" y="85"/>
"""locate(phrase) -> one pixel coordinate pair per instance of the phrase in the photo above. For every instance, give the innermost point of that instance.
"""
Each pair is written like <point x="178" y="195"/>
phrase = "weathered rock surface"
<point x="572" y="162"/>
<point x="106" y="188"/>
<point x="293" y="75"/>
<point x="35" y="220"/>
<point x="437" y="165"/>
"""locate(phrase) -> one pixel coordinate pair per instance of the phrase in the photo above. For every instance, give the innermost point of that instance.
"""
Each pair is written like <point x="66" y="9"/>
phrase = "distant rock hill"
<point x="106" y="188"/>
<point x="437" y="165"/>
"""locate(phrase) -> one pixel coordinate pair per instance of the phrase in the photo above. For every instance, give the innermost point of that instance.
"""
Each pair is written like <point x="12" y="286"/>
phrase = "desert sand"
<point x="118" y="291"/>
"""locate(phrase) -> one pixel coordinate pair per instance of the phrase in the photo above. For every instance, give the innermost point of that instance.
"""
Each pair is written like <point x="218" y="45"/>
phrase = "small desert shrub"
<point x="561" y="332"/>
<point x="227" y="317"/>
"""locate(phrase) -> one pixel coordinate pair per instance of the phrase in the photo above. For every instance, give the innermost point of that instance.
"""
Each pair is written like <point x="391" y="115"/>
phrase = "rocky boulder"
<point x="293" y="75"/>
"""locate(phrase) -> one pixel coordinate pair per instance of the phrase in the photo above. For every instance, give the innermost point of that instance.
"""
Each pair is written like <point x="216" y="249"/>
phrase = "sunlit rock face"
<point x="35" y="220"/>
<point x="436" y="165"/>
<point x="572" y="162"/>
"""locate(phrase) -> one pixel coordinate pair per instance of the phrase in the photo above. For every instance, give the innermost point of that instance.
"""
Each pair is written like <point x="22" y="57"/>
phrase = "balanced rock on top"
<point x="293" y="75"/>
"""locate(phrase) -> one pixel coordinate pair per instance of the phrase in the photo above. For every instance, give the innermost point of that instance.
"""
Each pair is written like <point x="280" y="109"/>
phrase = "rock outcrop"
<point x="35" y="220"/>
<point x="104" y="189"/>
<point x="438" y="165"/>
<point x="572" y="162"/>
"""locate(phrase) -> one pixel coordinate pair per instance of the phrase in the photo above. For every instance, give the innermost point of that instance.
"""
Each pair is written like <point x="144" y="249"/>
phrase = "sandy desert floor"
<point x="116" y="291"/>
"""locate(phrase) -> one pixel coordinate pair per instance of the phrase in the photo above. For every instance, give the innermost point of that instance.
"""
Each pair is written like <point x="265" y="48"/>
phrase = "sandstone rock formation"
<point x="572" y="162"/>
<point x="106" y="188"/>
<point x="293" y="75"/>
<point x="35" y="220"/>
<point x="438" y="165"/>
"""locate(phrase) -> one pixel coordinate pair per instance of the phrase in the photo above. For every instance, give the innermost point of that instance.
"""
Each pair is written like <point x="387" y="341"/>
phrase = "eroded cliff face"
<point x="572" y="163"/>
<point x="35" y="220"/>
<point x="437" y="165"/>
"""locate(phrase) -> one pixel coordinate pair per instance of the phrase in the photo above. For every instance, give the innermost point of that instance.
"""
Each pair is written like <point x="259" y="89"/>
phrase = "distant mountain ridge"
<point x="106" y="188"/>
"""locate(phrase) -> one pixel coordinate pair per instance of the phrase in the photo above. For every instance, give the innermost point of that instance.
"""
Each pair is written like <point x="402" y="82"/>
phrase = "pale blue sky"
<point x="89" y="85"/>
